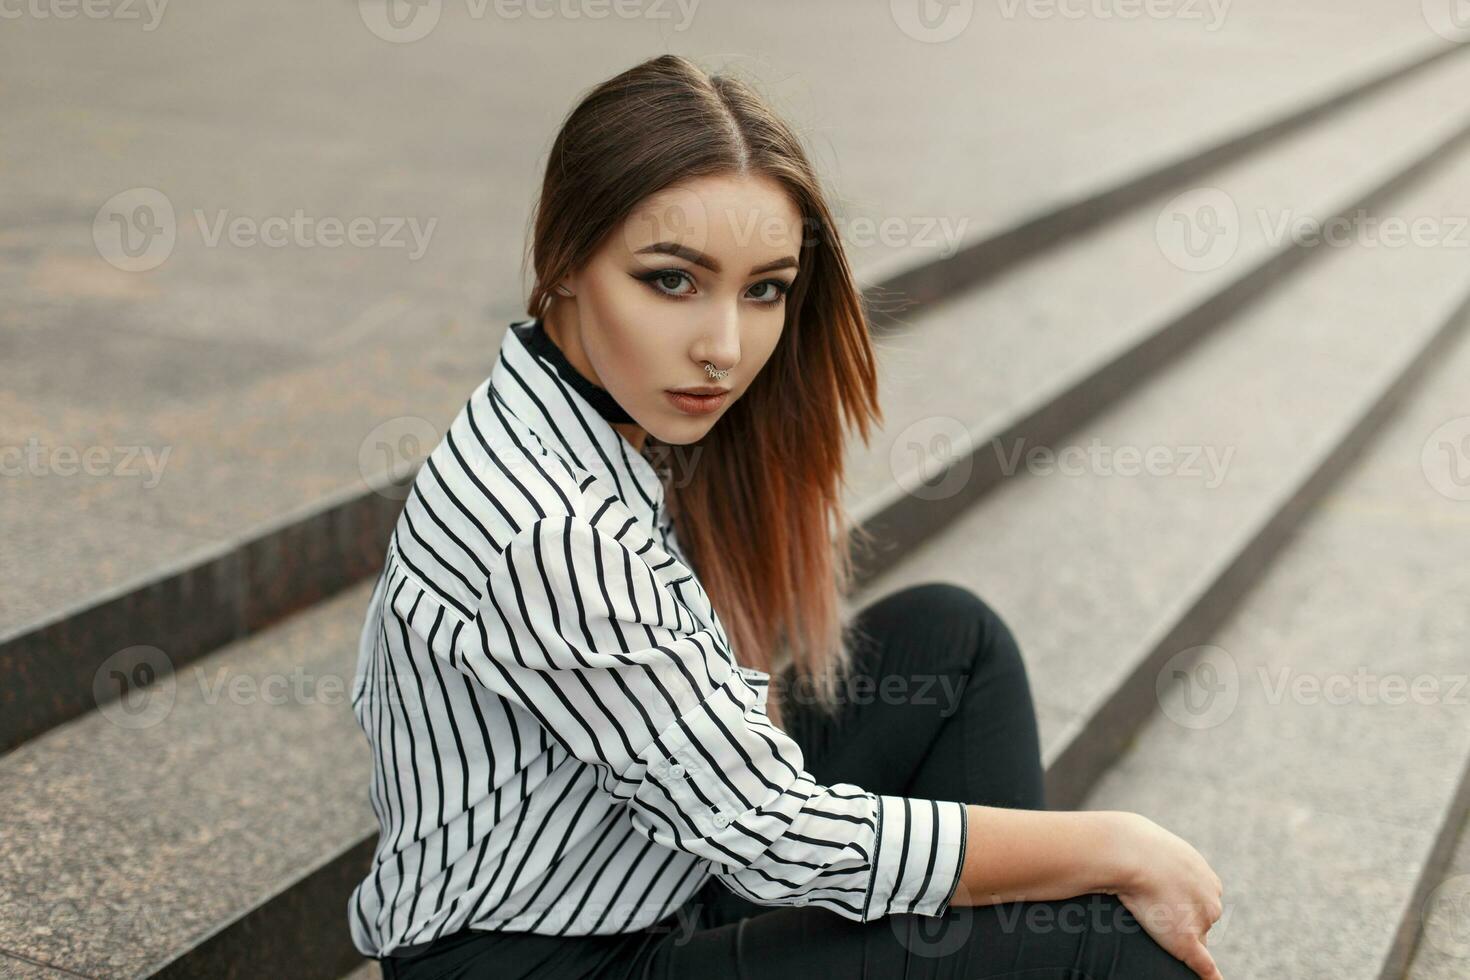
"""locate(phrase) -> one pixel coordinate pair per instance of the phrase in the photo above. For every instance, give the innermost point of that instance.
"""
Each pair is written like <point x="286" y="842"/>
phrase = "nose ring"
<point x="715" y="373"/>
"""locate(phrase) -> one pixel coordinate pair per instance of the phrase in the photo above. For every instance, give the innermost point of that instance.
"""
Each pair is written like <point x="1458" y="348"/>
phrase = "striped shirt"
<point x="562" y="740"/>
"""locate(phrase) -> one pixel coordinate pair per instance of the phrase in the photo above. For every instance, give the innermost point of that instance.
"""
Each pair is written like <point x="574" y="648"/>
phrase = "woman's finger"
<point x="1200" y="961"/>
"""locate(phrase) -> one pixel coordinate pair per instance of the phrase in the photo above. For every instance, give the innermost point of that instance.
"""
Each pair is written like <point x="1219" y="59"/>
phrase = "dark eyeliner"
<point x="651" y="277"/>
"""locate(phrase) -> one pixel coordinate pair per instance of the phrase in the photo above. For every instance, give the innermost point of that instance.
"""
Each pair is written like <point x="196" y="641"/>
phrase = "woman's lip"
<point x="696" y="404"/>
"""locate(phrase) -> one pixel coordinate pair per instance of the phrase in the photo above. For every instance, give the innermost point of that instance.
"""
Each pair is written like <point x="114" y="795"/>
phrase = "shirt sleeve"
<point x="584" y="633"/>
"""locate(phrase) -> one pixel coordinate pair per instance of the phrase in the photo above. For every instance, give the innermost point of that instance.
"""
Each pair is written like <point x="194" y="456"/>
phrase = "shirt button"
<point x="722" y="820"/>
<point x="676" y="770"/>
<point x="799" y="902"/>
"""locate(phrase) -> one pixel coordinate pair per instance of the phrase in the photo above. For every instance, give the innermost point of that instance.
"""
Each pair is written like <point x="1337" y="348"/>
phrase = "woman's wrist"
<point x="1119" y="856"/>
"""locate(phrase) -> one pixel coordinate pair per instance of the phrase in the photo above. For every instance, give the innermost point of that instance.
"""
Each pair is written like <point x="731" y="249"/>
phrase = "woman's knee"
<point x="950" y="606"/>
<point x="1119" y="943"/>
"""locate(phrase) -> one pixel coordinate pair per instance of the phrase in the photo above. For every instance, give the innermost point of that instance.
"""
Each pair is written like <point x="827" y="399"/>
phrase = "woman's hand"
<point x="1171" y="890"/>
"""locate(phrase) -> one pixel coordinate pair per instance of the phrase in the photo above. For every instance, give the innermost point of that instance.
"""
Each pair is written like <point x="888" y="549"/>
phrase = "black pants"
<point x="959" y="725"/>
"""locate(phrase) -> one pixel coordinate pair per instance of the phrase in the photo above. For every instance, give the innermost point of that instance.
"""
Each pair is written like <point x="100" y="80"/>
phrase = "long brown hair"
<point x="761" y="518"/>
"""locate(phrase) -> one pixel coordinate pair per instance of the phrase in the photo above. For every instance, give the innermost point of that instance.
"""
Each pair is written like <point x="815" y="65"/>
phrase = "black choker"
<point x="534" y="336"/>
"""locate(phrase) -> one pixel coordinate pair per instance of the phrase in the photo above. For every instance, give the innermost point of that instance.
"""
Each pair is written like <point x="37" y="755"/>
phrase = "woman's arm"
<point x="1041" y="855"/>
<point x="600" y="646"/>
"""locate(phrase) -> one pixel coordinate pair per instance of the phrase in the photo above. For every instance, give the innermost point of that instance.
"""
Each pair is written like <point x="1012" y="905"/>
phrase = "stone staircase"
<point x="1203" y="468"/>
<point x="1317" y="541"/>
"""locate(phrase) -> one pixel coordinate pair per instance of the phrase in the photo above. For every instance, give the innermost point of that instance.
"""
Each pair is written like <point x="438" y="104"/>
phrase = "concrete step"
<point x="1442" y="951"/>
<point x="224" y="544"/>
<point x="278" y="415"/>
<point x="1316" y="748"/>
<point x="1023" y="228"/>
<point x="1119" y="570"/>
<point x="215" y="820"/>
<point x="1031" y="356"/>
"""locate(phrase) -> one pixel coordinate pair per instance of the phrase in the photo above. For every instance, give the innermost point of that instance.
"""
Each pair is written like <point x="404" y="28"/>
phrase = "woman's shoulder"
<point x="473" y="493"/>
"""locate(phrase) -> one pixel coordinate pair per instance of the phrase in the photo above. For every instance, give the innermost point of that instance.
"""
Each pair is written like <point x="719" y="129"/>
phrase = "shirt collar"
<point x="572" y="416"/>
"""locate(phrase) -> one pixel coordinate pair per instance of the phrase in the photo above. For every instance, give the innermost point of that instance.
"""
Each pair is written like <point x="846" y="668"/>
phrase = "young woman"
<point x="621" y="727"/>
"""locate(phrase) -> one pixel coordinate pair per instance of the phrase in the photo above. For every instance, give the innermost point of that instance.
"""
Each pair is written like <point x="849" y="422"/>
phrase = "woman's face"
<point x="698" y="272"/>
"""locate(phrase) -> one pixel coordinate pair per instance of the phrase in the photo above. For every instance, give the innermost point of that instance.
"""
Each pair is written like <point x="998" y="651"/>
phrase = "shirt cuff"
<point x="918" y="854"/>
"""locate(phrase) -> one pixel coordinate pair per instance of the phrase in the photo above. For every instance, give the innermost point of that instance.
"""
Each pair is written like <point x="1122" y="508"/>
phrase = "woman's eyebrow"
<point x="699" y="258"/>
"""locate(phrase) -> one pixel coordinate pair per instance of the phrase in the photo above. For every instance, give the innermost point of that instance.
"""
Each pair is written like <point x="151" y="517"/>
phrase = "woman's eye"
<point x="778" y="290"/>
<point x="666" y="281"/>
<point x="673" y="279"/>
